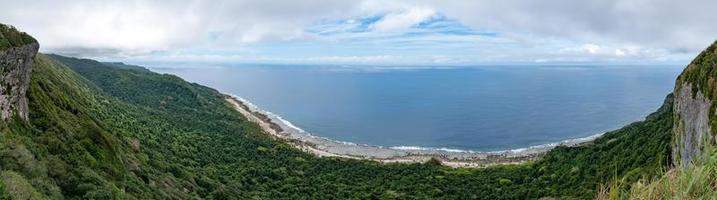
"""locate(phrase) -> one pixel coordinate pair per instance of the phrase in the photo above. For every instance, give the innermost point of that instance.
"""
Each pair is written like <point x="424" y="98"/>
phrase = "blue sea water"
<point x="483" y="108"/>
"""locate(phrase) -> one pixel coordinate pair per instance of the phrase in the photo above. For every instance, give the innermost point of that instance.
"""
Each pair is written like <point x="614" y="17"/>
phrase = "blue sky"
<point x="369" y="32"/>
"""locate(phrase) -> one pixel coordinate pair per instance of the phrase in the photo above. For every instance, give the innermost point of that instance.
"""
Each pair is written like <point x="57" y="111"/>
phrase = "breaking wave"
<point x="541" y="147"/>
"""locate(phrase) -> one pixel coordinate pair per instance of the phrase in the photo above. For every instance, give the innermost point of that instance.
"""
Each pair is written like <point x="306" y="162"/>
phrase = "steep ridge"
<point x="178" y="139"/>
<point x="692" y="174"/>
<point x="113" y="131"/>
<point x="17" y="52"/>
<point x="695" y="95"/>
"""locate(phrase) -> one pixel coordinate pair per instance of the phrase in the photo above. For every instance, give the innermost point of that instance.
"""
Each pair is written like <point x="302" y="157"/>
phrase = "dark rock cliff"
<point x="694" y="110"/>
<point x="16" y="61"/>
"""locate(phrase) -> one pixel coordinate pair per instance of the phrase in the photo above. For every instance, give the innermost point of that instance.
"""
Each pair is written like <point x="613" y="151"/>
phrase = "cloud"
<point x="651" y="23"/>
<point x="352" y="59"/>
<point x="590" y="49"/>
<point x="143" y="26"/>
<point x="413" y="31"/>
<point x="403" y="20"/>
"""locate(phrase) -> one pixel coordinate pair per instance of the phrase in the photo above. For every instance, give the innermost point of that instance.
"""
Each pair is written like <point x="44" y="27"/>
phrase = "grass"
<point x="696" y="181"/>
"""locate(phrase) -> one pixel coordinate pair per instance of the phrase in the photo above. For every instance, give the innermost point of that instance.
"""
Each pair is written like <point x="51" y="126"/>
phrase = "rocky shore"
<point x="283" y="130"/>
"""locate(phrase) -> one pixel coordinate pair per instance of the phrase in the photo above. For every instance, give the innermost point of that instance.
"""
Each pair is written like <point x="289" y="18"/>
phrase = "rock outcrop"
<point x="16" y="61"/>
<point x="691" y="128"/>
<point x="694" y="110"/>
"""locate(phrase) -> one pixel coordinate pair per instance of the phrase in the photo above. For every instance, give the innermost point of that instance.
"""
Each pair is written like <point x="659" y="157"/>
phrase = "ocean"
<point x="479" y="108"/>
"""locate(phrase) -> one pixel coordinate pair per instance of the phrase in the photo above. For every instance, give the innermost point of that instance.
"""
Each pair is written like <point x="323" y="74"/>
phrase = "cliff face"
<point x="694" y="110"/>
<point x="691" y="128"/>
<point x="15" y="70"/>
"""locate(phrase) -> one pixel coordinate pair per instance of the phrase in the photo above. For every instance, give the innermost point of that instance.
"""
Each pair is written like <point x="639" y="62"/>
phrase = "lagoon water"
<point x="483" y="108"/>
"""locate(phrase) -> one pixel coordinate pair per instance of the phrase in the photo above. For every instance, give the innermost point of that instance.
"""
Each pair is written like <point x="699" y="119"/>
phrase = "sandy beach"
<point x="319" y="146"/>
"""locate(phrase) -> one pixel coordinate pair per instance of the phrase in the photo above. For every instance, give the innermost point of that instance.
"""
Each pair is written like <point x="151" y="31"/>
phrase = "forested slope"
<point x="11" y="37"/>
<point x="112" y="131"/>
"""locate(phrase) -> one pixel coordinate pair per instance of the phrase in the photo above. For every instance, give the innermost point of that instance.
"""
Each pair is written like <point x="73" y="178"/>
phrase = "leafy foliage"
<point x="639" y="150"/>
<point x="113" y="131"/>
<point x="701" y="70"/>
<point x="11" y="37"/>
<point x="697" y="181"/>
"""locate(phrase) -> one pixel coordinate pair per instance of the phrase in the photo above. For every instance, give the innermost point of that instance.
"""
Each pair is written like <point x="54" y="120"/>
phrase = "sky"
<point x="370" y="32"/>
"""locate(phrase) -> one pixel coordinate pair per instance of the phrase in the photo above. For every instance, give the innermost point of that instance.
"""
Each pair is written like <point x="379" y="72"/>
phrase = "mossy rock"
<point x="11" y="37"/>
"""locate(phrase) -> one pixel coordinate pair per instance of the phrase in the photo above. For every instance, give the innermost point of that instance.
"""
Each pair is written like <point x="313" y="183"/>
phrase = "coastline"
<point x="325" y="147"/>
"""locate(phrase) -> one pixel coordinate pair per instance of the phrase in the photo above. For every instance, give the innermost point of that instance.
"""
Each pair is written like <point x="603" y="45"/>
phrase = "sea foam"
<point x="542" y="147"/>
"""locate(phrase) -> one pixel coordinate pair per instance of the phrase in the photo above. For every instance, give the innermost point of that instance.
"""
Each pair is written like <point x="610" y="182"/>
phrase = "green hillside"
<point x="113" y="131"/>
<point x="694" y="174"/>
<point x="11" y="37"/>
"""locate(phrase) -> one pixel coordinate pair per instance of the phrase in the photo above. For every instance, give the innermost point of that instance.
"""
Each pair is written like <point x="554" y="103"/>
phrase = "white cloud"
<point x="403" y="20"/>
<point x="673" y="25"/>
<point x="526" y="30"/>
<point x="591" y="48"/>
<point x="145" y="26"/>
<point x="590" y="52"/>
<point x="353" y="59"/>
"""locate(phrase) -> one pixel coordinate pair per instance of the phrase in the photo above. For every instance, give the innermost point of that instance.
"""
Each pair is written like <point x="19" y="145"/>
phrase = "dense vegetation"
<point x="698" y="181"/>
<point x="113" y="131"/>
<point x="701" y="70"/>
<point x="700" y="74"/>
<point x="11" y="37"/>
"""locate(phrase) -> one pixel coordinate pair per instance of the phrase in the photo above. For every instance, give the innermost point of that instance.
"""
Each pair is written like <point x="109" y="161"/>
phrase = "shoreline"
<point x="281" y="129"/>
